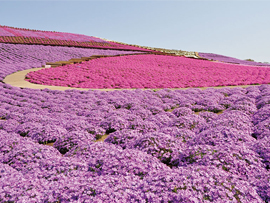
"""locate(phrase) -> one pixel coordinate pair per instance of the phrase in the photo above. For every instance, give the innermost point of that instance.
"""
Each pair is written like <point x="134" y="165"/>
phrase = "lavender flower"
<point x="114" y="123"/>
<point x="237" y="160"/>
<point x="248" y="109"/>
<point x="182" y="135"/>
<point x="107" y="159"/>
<point x="24" y="128"/>
<point x="143" y="126"/>
<point x="66" y="142"/>
<point x="123" y="138"/>
<point x="182" y="111"/>
<point x="47" y="133"/>
<point x="8" y="125"/>
<point x="208" y="116"/>
<point x="222" y="135"/>
<point x="233" y="119"/>
<point x="262" y="114"/>
<point x="165" y="147"/>
<point x="200" y="183"/>
<point x="3" y="113"/>
<point x="192" y="122"/>
<point x="262" y="129"/>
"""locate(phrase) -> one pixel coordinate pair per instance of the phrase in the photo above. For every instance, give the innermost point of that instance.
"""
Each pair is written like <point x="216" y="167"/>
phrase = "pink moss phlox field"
<point x="150" y="71"/>
<point x="227" y="59"/>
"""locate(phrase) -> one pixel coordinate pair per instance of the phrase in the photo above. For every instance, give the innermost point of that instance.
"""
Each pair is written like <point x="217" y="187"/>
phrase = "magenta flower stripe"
<point x="150" y="71"/>
<point x="37" y="37"/>
<point x="9" y="31"/>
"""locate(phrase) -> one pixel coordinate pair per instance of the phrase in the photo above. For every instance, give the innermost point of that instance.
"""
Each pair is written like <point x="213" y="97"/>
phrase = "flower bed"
<point x="158" y="149"/>
<point x="161" y="146"/>
<point x="27" y="36"/>
<point x="150" y="71"/>
<point x="227" y="59"/>
<point x="16" y="57"/>
<point x="12" y="32"/>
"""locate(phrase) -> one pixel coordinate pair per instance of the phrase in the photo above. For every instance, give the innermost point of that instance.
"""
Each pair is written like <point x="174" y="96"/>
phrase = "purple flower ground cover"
<point x="163" y="146"/>
<point x="227" y="59"/>
<point x="158" y="149"/>
<point x="17" y="57"/>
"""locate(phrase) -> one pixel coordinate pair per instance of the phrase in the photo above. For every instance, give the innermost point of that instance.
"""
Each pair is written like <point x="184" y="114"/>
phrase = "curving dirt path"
<point x="17" y="79"/>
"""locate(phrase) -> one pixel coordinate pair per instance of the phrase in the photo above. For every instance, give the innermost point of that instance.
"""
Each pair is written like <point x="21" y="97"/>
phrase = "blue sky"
<point x="237" y="28"/>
